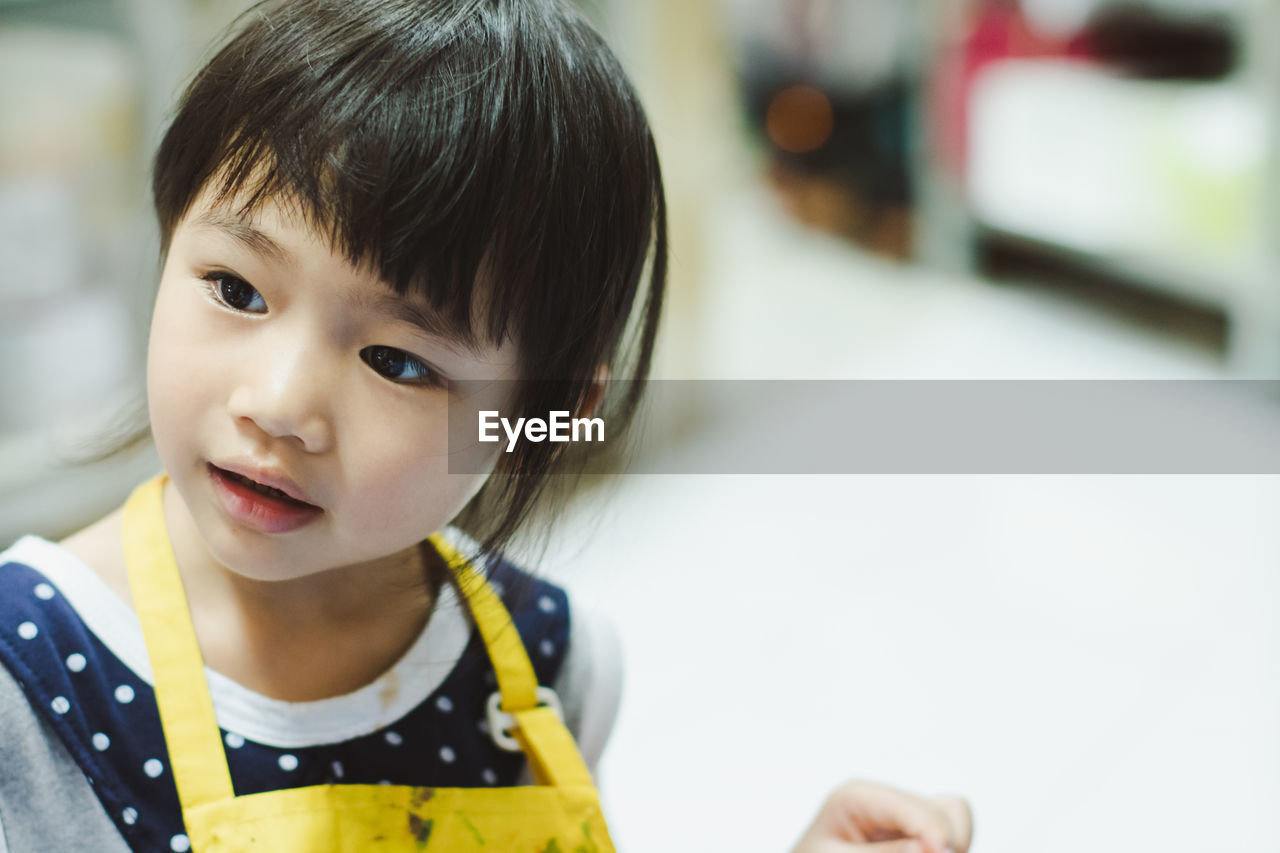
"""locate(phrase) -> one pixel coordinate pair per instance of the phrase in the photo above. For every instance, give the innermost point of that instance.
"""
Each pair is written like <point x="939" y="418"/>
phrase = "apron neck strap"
<point x="191" y="731"/>
<point x="553" y="756"/>
<point x="511" y="666"/>
<point x="182" y="693"/>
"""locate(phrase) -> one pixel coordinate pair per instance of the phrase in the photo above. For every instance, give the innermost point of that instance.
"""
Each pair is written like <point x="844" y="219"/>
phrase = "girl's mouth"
<point x="260" y="507"/>
<point x="265" y="490"/>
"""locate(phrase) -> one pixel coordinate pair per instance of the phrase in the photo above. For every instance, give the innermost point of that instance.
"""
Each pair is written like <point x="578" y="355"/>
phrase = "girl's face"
<point x="270" y="354"/>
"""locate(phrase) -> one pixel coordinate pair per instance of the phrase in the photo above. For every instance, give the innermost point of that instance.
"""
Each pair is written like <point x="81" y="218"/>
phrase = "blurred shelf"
<point x="1156" y="180"/>
<point x="1163" y="185"/>
<point x="1162" y="298"/>
<point x="1205" y="288"/>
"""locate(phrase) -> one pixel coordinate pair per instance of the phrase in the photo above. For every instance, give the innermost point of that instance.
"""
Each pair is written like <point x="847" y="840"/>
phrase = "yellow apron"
<point x="561" y="814"/>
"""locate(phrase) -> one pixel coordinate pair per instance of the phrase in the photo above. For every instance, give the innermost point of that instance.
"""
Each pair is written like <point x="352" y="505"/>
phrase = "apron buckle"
<point x="501" y="722"/>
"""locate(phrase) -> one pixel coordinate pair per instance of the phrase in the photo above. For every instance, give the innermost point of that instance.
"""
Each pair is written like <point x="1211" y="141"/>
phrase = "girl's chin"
<point x="262" y="565"/>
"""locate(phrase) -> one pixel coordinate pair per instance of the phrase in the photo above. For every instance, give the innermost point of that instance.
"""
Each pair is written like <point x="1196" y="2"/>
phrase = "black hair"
<point x="466" y="150"/>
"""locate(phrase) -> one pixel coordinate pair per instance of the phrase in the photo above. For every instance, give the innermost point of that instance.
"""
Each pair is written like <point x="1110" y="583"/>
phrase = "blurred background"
<point x="860" y="189"/>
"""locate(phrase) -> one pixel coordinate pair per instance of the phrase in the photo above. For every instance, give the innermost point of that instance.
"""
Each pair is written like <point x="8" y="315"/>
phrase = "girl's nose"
<point x="286" y="396"/>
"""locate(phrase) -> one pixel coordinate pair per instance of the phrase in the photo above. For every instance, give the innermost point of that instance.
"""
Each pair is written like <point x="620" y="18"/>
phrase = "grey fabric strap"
<point x="45" y="801"/>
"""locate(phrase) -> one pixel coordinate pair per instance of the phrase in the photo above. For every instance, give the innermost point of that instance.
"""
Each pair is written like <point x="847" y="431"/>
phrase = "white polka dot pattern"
<point x="89" y="683"/>
<point x="44" y="591"/>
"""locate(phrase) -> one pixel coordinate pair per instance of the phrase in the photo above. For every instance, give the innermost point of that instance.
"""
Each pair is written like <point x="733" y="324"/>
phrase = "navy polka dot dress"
<point x="105" y="711"/>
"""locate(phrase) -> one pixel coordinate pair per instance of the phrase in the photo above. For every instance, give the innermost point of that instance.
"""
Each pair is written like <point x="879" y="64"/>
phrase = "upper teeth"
<point x="253" y="484"/>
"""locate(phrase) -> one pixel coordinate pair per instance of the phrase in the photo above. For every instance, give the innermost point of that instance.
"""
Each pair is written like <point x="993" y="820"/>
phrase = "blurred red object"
<point x="994" y="30"/>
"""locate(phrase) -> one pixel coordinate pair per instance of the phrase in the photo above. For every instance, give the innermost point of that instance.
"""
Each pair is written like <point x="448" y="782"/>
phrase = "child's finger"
<point x="833" y="845"/>
<point x="866" y="810"/>
<point x="961" y="816"/>
<point x="905" y="845"/>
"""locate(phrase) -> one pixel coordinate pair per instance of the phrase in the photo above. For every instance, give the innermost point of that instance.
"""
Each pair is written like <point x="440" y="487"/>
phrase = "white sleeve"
<point x="590" y="681"/>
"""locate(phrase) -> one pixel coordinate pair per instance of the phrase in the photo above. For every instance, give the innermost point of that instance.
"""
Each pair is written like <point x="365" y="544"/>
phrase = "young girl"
<point x="377" y="218"/>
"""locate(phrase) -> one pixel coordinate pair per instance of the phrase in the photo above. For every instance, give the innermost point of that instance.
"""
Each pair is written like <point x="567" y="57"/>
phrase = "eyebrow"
<point x="385" y="302"/>
<point x="244" y="233"/>
<point x="389" y="304"/>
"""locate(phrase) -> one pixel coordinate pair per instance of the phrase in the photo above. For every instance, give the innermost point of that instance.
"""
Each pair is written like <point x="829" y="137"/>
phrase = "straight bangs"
<point x="475" y="153"/>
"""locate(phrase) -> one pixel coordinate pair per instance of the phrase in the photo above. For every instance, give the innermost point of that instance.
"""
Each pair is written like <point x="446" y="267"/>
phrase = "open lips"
<point x="266" y="491"/>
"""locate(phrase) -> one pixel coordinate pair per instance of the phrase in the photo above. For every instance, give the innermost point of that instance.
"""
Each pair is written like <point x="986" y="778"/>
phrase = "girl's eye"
<point x="399" y="366"/>
<point x="235" y="293"/>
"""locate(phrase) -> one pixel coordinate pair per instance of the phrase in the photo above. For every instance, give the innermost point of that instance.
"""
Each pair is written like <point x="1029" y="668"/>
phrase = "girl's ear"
<point x="596" y="394"/>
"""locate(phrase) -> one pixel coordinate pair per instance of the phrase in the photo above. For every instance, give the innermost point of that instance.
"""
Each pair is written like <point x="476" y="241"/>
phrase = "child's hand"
<point x="864" y="817"/>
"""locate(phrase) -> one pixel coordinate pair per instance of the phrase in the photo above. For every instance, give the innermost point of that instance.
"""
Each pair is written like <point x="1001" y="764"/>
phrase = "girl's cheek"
<point x="178" y="365"/>
<point x="405" y="497"/>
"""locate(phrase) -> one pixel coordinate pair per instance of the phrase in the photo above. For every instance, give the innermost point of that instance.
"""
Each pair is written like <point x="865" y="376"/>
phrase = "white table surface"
<point x="1093" y="661"/>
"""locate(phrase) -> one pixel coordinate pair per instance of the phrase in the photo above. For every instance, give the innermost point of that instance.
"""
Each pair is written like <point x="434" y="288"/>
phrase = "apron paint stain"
<point x="475" y="832"/>
<point x="420" y="829"/>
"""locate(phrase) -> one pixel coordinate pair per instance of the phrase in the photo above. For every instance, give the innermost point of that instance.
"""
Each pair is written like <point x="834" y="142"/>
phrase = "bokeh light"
<point x="799" y="119"/>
